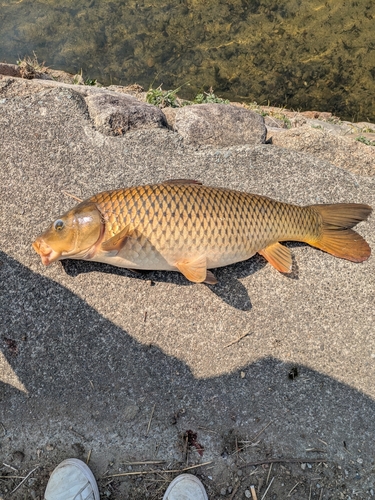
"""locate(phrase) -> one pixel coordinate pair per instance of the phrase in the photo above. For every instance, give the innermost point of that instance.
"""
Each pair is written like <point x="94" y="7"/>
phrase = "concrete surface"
<point x="102" y="364"/>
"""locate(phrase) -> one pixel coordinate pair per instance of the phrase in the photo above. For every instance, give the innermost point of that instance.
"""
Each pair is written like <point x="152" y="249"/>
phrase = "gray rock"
<point x="115" y="114"/>
<point x="343" y="152"/>
<point x="170" y="116"/>
<point x="219" y="125"/>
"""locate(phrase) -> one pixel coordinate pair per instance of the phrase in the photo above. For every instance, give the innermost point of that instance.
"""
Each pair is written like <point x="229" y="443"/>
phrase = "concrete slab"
<point x="97" y="360"/>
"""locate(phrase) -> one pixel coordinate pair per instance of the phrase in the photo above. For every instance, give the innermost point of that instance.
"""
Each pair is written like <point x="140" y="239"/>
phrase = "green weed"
<point x="365" y="140"/>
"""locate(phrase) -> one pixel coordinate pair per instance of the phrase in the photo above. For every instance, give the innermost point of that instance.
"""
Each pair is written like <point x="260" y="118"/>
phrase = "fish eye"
<point x="58" y="225"/>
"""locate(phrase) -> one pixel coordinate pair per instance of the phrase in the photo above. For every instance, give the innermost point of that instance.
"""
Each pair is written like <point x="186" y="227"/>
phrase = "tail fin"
<point x="336" y="236"/>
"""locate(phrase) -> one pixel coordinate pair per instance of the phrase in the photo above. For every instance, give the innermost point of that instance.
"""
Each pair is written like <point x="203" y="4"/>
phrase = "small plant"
<point x="31" y="68"/>
<point x="209" y="98"/>
<point x="283" y="118"/>
<point x="365" y="140"/>
<point x="90" y="81"/>
<point x="163" y="98"/>
<point x="33" y="64"/>
<point x="79" y="80"/>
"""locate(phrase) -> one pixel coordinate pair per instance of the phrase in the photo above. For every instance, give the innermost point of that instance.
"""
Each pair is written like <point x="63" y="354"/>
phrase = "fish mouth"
<point x="47" y="254"/>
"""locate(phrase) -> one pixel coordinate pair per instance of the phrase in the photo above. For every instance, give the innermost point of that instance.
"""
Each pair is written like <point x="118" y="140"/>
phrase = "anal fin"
<point x="278" y="256"/>
<point x="195" y="270"/>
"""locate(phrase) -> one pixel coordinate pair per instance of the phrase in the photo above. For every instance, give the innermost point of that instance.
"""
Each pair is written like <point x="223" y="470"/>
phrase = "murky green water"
<point x="304" y="54"/>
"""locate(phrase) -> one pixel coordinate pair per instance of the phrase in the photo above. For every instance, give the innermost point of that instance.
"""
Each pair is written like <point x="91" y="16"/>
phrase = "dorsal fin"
<point x="182" y="181"/>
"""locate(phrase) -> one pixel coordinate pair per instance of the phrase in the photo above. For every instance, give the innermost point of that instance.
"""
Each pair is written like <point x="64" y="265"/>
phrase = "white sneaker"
<point x="72" y="480"/>
<point x="185" y="487"/>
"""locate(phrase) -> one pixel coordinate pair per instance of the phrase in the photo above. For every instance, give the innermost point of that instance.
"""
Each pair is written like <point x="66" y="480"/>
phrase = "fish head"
<point x="71" y="236"/>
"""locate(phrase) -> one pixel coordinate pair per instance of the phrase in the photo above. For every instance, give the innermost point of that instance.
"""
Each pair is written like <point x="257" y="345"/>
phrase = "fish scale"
<point x="202" y="219"/>
<point x="182" y="225"/>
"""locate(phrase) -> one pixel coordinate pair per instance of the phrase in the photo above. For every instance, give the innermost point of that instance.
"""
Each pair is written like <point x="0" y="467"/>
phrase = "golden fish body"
<point x="184" y="226"/>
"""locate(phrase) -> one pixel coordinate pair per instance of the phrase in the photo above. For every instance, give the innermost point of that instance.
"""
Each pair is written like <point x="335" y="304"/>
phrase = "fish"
<point x="183" y="225"/>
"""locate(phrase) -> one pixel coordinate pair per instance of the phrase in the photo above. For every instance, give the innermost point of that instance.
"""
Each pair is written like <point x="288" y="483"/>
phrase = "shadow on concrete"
<point x="78" y="366"/>
<point x="229" y="288"/>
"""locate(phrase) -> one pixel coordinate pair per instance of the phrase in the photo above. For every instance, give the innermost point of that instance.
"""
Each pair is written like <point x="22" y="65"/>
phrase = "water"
<point x="303" y="54"/>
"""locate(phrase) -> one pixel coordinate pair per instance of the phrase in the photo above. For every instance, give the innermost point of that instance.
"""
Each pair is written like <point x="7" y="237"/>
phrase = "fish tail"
<point x="336" y="236"/>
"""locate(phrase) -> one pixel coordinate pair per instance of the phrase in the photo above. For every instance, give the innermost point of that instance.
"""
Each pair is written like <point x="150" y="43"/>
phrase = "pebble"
<point x="360" y="460"/>
<point x="239" y="472"/>
<point x="247" y="494"/>
<point x="303" y="466"/>
<point x="223" y="491"/>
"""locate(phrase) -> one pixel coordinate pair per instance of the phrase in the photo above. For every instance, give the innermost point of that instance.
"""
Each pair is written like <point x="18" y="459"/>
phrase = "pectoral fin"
<point x="278" y="256"/>
<point x="118" y="240"/>
<point x="195" y="270"/>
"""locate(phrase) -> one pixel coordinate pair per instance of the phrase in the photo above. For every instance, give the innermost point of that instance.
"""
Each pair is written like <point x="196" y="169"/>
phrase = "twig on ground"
<point x="88" y="457"/>
<point x="185" y="451"/>
<point x="252" y="442"/>
<point x="24" y="479"/>
<point x="156" y="471"/>
<point x="236" y="340"/>
<point x="72" y="196"/>
<point x="261" y="432"/>
<point x="77" y="433"/>
<point x="269" y="473"/>
<point x="234" y="491"/>
<point x="253" y="492"/>
<point x="4" y="429"/>
<point x="12" y="477"/>
<point x="10" y="467"/>
<point x="284" y="460"/>
<point x="269" y="486"/>
<point x="146" y="462"/>
<point x="321" y="494"/>
<point x="149" y="423"/>
<point x="294" y="487"/>
<point x="207" y="430"/>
